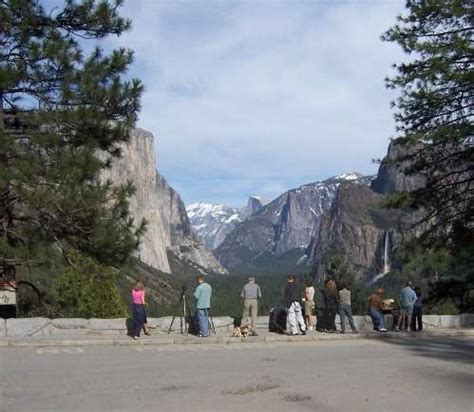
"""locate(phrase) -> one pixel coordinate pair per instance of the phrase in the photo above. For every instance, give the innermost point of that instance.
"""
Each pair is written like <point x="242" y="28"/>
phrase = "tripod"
<point x="182" y="304"/>
<point x="210" y="321"/>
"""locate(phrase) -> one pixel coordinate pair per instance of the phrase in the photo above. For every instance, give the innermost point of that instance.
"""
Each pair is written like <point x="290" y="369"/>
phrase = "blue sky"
<point x="257" y="97"/>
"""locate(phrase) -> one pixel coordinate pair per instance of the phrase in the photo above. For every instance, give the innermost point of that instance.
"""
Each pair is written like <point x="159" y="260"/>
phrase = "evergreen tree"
<point x="434" y="114"/>
<point x="60" y="108"/>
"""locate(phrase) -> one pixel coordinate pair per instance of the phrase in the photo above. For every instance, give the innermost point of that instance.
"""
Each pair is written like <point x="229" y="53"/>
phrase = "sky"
<point x="258" y="97"/>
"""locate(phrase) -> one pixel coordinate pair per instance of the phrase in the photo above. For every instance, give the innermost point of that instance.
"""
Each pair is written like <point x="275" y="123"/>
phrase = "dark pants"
<point x="138" y="318"/>
<point x="329" y="318"/>
<point x="416" y="318"/>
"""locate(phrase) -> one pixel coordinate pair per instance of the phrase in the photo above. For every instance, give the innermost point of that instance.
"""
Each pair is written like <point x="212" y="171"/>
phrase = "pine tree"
<point x="60" y="108"/>
<point x="434" y="115"/>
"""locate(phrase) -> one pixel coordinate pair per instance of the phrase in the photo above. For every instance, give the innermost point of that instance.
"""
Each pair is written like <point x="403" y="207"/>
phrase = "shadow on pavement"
<point x="459" y="349"/>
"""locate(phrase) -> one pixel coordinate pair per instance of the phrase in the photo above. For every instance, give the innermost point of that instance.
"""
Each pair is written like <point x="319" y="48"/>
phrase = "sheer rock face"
<point x="168" y="227"/>
<point x="355" y="229"/>
<point x="357" y="226"/>
<point x="289" y="224"/>
<point x="392" y="178"/>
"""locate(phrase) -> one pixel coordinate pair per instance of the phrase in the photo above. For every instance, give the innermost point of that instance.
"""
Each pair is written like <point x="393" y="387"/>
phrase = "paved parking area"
<point x="433" y="374"/>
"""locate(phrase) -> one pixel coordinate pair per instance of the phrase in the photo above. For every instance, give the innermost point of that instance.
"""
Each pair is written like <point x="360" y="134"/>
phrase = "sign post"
<point x="8" y="299"/>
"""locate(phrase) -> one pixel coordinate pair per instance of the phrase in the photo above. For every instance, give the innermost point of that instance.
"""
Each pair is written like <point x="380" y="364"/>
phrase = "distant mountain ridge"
<point x="212" y="222"/>
<point x="282" y="235"/>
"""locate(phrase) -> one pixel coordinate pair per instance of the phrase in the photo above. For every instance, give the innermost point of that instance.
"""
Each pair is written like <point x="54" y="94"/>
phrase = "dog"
<point x="241" y="332"/>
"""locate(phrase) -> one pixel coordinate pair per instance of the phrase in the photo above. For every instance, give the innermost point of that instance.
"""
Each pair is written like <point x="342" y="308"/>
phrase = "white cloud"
<point x="258" y="97"/>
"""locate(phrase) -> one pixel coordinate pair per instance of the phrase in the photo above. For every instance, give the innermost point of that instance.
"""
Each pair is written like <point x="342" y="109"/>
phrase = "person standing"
<point x="138" y="309"/>
<point x="375" y="310"/>
<point x="309" y="305"/>
<point x="202" y="295"/>
<point x="251" y="293"/>
<point x="292" y="303"/>
<point x="331" y="303"/>
<point x="416" y="317"/>
<point x="407" y="300"/>
<point x="345" y="309"/>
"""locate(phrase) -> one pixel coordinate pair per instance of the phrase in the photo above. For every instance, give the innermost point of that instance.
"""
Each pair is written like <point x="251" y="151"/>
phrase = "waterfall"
<point x="386" y="256"/>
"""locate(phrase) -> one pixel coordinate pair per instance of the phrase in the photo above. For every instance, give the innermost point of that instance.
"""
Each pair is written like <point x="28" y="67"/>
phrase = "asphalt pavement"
<point x="394" y="374"/>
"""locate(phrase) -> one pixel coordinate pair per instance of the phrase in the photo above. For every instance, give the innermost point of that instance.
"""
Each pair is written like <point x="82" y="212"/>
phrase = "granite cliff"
<point x="360" y="230"/>
<point x="280" y="237"/>
<point x="168" y="229"/>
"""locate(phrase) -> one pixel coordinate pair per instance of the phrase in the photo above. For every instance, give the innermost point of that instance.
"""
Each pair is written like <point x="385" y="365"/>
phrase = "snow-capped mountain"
<point x="212" y="222"/>
<point x="282" y="234"/>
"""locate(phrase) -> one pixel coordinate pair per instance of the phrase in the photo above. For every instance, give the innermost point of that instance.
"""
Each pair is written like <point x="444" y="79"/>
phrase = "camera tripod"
<point x="183" y="310"/>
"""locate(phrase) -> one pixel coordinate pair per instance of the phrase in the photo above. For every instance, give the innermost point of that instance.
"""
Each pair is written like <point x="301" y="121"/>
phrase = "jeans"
<point x="416" y="318"/>
<point x="138" y="318"/>
<point x="346" y="310"/>
<point x="249" y="316"/>
<point x="202" y="316"/>
<point x="377" y="318"/>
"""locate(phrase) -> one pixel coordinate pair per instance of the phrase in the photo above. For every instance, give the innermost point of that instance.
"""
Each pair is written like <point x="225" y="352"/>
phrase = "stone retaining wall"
<point x="36" y="327"/>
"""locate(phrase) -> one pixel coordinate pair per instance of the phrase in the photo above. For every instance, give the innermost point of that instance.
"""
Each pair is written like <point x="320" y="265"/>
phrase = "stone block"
<point x="467" y="320"/>
<point x="70" y="323"/>
<point x="262" y="322"/>
<point x="25" y="327"/>
<point x="431" y="321"/>
<point x="165" y="322"/>
<point x="104" y="332"/>
<point x="223" y="322"/>
<point x="152" y="322"/>
<point x="362" y="323"/>
<point x="108" y="324"/>
<point x="3" y="327"/>
<point x="53" y="331"/>
<point x="450" y="321"/>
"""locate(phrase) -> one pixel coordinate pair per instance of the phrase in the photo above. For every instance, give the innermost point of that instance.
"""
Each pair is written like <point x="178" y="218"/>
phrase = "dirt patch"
<point x="173" y="388"/>
<point x="296" y="397"/>
<point x="245" y="390"/>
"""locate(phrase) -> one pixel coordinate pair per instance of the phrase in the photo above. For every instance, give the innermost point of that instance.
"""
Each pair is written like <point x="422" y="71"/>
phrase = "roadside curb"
<point x="227" y="340"/>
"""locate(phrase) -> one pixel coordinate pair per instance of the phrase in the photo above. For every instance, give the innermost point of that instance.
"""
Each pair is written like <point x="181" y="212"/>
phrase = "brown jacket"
<point x="376" y="301"/>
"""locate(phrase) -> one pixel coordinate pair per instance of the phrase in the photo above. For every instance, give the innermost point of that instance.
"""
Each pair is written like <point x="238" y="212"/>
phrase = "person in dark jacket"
<point x="416" y="317"/>
<point x="331" y="304"/>
<point x="292" y="303"/>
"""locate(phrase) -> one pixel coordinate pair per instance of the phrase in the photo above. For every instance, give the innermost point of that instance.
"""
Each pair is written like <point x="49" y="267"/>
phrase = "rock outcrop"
<point x="359" y="231"/>
<point x="281" y="235"/>
<point x="391" y="177"/>
<point x="168" y="228"/>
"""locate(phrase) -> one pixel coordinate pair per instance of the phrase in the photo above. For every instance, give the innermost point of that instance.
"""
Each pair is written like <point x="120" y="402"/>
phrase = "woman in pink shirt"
<point x="138" y="304"/>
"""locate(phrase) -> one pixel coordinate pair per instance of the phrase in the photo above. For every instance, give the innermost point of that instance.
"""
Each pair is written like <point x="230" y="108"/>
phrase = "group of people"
<point x="299" y="319"/>
<point x="407" y="315"/>
<point x="202" y="296"/>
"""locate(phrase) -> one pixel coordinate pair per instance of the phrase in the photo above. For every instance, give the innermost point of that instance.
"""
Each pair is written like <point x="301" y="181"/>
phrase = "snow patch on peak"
<point x="349" y="176"/>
